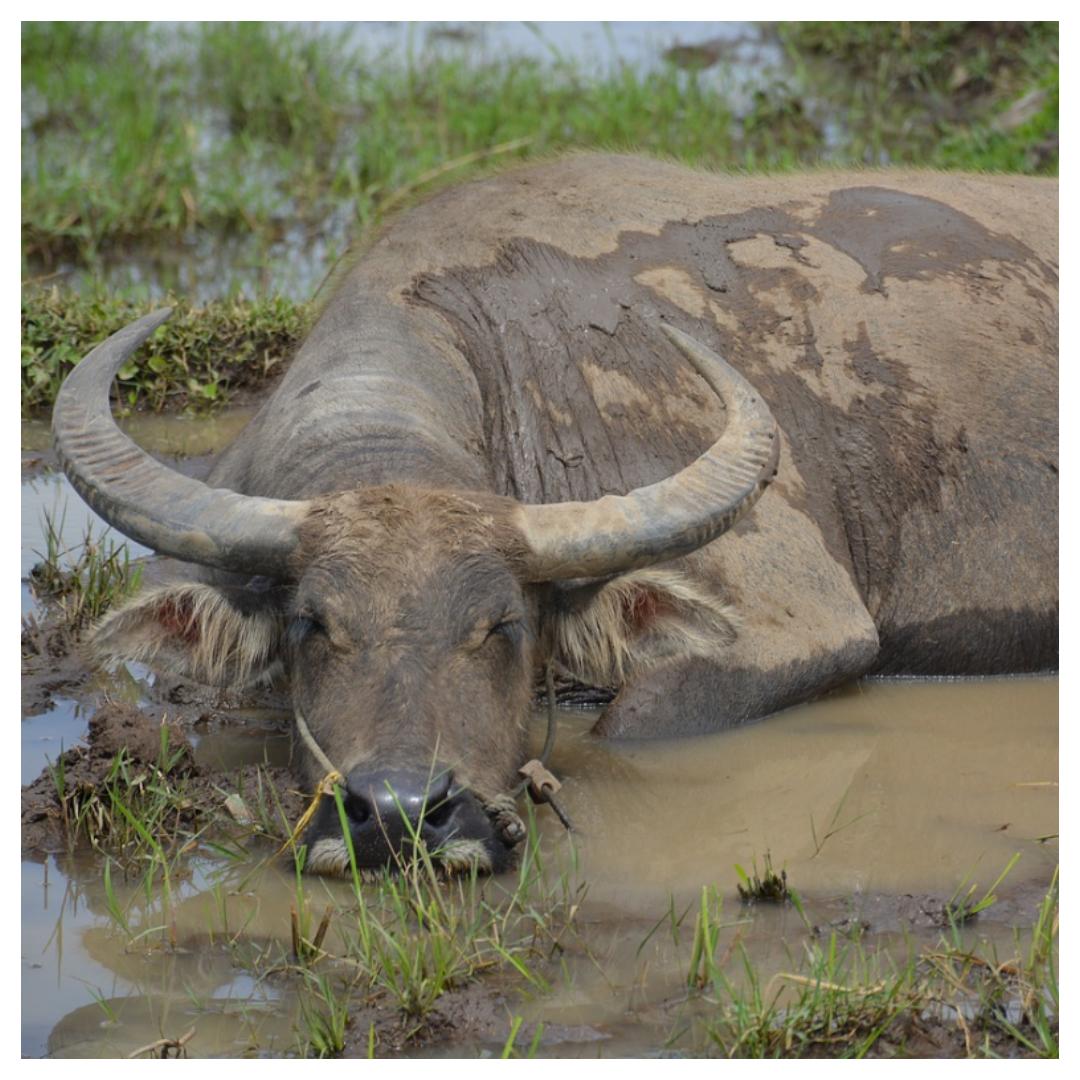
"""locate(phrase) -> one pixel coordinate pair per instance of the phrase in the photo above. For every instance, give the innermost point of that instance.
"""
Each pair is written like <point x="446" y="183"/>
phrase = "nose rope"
<point x="324" y="787"/>
<point x="502" y="809"/>
<point x="539" y="782"/>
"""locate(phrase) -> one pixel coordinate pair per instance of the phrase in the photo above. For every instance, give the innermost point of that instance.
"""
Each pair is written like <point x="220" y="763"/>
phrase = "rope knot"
<point x="324" y="787"/>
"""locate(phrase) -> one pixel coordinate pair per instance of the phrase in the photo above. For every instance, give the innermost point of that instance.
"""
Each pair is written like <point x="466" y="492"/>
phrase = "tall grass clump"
<point x="419" y="934"/>
<point x="406" y="936"/>
<point x="83" y="581"/>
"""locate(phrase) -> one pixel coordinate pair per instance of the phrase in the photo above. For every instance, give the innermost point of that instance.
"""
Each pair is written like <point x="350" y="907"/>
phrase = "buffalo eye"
<point x="508" y="629"/>
<point x="304" y="626"/>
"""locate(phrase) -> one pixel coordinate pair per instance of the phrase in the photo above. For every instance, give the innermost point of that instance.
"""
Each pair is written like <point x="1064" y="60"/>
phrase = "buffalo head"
<point x="410" y="623"/>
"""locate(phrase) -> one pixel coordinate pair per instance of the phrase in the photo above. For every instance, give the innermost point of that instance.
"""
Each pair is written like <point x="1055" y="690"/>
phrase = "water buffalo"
<point x="510" y="439"/>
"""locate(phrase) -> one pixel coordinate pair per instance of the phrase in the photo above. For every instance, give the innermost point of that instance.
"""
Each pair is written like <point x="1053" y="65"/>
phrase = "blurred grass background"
<point x="217" y="161"/>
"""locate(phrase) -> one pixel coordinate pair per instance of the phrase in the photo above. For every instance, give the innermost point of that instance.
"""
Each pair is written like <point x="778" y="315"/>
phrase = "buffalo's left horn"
<point x="678" y="515"/>
<point x="153" y="504"/>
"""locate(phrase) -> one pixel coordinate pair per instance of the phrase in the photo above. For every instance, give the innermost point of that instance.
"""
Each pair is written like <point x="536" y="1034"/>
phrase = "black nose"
<point x="389" y="809"/>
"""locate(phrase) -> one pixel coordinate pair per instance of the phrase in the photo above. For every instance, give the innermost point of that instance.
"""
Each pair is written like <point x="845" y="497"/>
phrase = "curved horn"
<point x="148" y="501"/>
<point x="678" y="515"/>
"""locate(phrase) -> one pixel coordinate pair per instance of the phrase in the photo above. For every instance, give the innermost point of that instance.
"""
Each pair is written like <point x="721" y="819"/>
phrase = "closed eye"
<point x="509" y="628"/>
<point x="303" y="627"/>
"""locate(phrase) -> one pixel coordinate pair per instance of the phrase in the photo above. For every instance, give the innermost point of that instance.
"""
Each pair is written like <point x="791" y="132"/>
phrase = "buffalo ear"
<point x="220" y="636"/>
<point x="608" y="630"/>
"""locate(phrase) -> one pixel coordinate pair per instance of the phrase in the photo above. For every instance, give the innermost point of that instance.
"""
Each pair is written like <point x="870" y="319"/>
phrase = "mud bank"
<point x="115" y="728"/>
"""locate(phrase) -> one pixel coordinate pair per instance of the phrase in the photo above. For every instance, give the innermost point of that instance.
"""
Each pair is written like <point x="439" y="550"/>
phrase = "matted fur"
<point x="192" y="630"/>
<point x="601" y="645"/>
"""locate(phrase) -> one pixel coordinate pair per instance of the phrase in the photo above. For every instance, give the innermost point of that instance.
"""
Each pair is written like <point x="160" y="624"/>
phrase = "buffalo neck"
<point x="374" y="396"/>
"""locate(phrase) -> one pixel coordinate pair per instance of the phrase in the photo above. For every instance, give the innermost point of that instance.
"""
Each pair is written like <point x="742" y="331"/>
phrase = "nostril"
<point x="438" y="788"/>
<point x="440" y="814"/>
<point x="357" y="807"/>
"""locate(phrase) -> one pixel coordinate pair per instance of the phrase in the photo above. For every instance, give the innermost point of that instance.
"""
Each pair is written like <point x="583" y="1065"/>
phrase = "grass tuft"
<point x="195" y="360"/>
<point x="137" y="809"/>
<point x="839" y="998"/>
<point x="86" y="586"/>
<point x="769" y="888"/>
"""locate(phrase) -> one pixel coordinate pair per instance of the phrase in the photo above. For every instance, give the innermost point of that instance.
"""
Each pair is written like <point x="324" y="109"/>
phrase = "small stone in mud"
<point x="238" y="809"/>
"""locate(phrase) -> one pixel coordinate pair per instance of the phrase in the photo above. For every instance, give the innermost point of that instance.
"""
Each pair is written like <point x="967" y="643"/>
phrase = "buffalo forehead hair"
<point x="370" y="525"/>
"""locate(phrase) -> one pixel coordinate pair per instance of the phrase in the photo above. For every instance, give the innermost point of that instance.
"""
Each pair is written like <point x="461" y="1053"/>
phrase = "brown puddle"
<point x="161" y="433"/>
<point x="884" y="790"/>
<point x="917" y="782"/>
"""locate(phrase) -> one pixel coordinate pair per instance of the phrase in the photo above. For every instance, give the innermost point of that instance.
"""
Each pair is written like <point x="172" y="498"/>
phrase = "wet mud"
<point x="118" y="727"/>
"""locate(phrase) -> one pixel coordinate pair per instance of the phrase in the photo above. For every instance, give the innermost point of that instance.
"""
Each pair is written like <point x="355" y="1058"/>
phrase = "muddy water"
<point x="882" y="790"/>
<point x="885" y="787"/>
<point x="186" y="441"/>
<point x="47" y="493"/>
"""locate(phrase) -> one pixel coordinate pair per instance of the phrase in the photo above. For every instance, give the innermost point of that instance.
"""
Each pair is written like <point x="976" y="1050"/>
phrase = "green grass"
<point x="195" y="360"/>
<point x="841" y="998"/>
<point x="934" y="93"/>
<point x="133" y="133"/>
<point x="84" y="582"/>
<point x="256" y="126"/>
<point x="134" y="811"/>
<point x="394" y="942"/>
<point x="420" y="935"/>
<point x="767" y="888"/>
<point x="324" y="1017"/>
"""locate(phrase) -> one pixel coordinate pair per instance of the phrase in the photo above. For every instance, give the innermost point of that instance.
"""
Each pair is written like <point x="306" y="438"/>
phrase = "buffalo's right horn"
<point x="678" y="515"/>
<point x="149" y="502"/>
